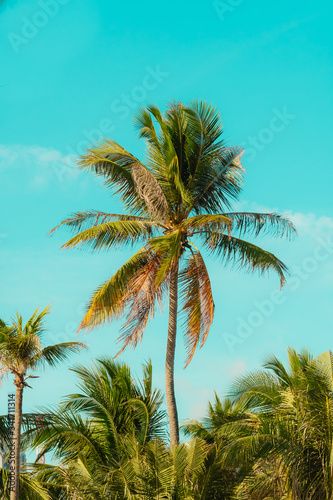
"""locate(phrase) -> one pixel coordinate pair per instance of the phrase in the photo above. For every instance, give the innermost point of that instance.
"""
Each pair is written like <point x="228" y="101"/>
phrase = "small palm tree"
<point x="100" y="433"/>
<point x="286" y="431"/>
<point x="21" y="353"/>
<point x="180" y="196"/>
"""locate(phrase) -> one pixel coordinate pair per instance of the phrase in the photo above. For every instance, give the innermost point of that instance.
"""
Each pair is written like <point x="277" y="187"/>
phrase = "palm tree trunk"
<point x="15" y="485"/>
<point x="170" y="358"/>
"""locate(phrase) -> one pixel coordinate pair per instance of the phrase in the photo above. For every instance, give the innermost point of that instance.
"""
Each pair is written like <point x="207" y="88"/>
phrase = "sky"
<point x="74" y="72"/>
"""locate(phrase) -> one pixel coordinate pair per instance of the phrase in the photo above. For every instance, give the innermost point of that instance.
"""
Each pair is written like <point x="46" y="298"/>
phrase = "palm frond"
<point x="257" y="223"/>
<point x="128" y="175"/>
<point x="243" y="254"/>
<point x="218" y="181"/>
<point x="112" y="234"/>
<point x="110" y="299"/>
<point x="209" y="222"/>
<point x="198" y="303"/>
<point x="55" y="353"/>
<point x="80" y="221"/>
<point x="144" y="291"/>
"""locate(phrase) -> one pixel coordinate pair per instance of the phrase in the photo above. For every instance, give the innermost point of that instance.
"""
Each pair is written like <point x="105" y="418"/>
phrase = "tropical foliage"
<point x="270" y="440"/>
<point x="21" y="353"/>
<point x="178" y="199"/>
<point x="278" y="429"/>
<point x="111" y="442"/>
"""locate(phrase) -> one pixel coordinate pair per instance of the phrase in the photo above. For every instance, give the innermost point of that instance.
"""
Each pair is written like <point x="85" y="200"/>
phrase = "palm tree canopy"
<point x="100" y="432"/>
<point x="110" y="438"/>
<point x="180" y="197"/>
<point x="21" y="350"/>
<point x="282" y="433"/>
<point x="110" y="405"/>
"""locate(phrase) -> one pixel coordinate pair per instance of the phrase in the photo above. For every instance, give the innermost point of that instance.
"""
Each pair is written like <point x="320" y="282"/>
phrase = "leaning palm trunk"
<point x="170" y="358"/>
<point x="15" y="482"/>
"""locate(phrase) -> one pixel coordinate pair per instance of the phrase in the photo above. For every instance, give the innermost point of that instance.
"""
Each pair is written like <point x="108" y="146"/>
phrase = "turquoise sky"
<point x="73" y="72"/>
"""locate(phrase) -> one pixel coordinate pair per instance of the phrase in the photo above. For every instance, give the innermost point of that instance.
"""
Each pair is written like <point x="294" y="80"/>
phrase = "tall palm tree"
<point x="181" y="195"/>
<point x="21" y="353"/>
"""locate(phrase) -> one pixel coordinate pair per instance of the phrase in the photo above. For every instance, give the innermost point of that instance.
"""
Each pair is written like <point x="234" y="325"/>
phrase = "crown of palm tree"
<point x="283" y="431"/>
<point x="109" y="437"/>
<point x="180" y="197"/>
<point x="21" y="350"/>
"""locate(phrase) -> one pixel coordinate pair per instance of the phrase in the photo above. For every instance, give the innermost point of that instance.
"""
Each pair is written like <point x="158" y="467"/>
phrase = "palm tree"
<point x="287" y="429"/>
<point x="100" y="433"/>
<point x="183" y="191"/>
<point x="21" y="353"/>
<point x="110" y="440"/>
<point x="30" y="487"/>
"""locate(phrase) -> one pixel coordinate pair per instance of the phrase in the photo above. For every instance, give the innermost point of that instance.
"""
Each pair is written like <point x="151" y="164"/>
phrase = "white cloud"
<point x="42" y="164"/>
<point x="310" y="224"/>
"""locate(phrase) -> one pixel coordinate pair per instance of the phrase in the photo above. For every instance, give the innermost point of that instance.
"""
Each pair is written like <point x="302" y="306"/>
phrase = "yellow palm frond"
<point x="198" y="303"/>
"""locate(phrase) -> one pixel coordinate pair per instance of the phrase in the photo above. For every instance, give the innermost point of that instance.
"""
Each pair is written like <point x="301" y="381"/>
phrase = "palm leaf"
<point x="123" y="171"/>
<point x="109" y="234"/>
<point x="53" y="354"/>
<point x="80" y="221"/>
<point x="110" y="299"/>
<point x="256" y="223"/>
<point x="144" y="291"/>
<point x="198" y="303"/>
<point x="244" y="255"/>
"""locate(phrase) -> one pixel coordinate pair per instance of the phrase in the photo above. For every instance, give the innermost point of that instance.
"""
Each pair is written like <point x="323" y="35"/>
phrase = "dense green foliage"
<point x="21" y="354"/>
<point x="270" y="440"/>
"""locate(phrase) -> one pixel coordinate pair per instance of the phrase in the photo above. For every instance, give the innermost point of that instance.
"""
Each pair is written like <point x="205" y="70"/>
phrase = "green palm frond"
<point x="324" y="364"/>
<point x="143" y="121"/>
<point x="56" y="353"/>
<point x="242" y="254"/>
<point x="170" y="248"/>
<point x="218" y="181"/>
<point x="257" y="223"/>
<point x="197" y="451"/>
<point x="112" y="234"/>
<point x="128" y="175"/>
<point x="35" y="325"/>
<point x="67" y="435"/>
<point x="109" y="300"/>
<point x="3" y="324"/>
<point x="30" y="487"/>
<point x="81" y="221"/>
<point x="209" y="222"/>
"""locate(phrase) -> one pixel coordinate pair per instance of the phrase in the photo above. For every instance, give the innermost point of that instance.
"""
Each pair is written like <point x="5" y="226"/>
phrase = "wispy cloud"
<point x="272" y="35"/>
<point x="43" y="164"/>
<point x="307" y="224"/>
